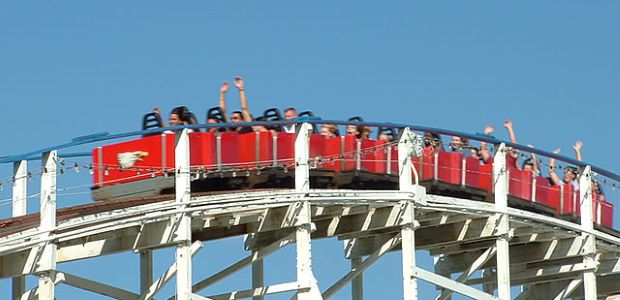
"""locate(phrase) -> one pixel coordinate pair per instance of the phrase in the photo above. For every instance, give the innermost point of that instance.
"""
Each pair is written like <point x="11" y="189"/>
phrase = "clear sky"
<point x="72" y="68"/>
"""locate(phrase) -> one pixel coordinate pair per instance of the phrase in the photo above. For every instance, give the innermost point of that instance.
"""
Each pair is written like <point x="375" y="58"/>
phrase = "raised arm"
<point x="223" y="90"/>
<point x="554" y="177"/>
<point x="577" y="148"/>
<point x="158" y="112"/>
<point x="243" y="101"/>
<point x="484" y="149"/>
<point x="511" y="132"/>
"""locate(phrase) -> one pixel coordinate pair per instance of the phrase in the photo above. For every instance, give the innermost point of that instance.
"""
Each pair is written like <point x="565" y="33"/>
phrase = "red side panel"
<point x="607" y="214"/>
<point x="472" y="172"/>
<point x="286" y="149"/>
<point x="332" y="153"/>
<point x="266" y="148"/>
<point x="520" y="184"/>
<point x="256" y="149"/>
<point x="350" y="148"/>
<point x="602" y="211"/>
<point x="427" y="165"/>
<point x="368" y="150"/>
<point x="202" y="150"/>
<point x="554" y="198"/>
<point x="160" y="149"/>
<point x="394" y="160"/>
<point x="380" y="163"/>
<point x="569" y="200"/>
<point x="450" y="167"/>
<point x="317" y="146"/>
<point x="96" y="166"/>
<point x="511" y="162"/>
<point x="542" y="192"/>
<point x="229" y="150"/>
<point x="486" y="177"/>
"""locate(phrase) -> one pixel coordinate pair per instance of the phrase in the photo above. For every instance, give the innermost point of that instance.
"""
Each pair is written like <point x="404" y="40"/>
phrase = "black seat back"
<point x="271" y="115"/>
<point x="150" y="121"/>
<point x="218" y="114"/>
<point x="356" y="119"/>
<point x="387" y="131"/>
<point x="308" y="113"/>
<point x="193" y="120"/>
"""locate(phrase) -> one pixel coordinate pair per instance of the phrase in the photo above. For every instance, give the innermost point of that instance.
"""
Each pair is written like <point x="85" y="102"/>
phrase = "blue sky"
<point x="72" y="68"/>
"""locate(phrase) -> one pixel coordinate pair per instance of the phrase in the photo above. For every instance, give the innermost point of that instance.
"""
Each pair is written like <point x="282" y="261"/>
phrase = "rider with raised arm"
<point x="570" y="174"/>
<point x="529" y="164"/>
<point x="235" y="116"/>
<point x="179" y="116"/>
<point x="239" y="116"/>
<point x="484" y="154"/>
<point x="596" y="187"/>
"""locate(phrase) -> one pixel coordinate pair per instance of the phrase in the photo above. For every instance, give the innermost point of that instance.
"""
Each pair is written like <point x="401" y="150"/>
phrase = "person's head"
<point x="352" y="130"/>
<point x="329" y="130"/>
<point x="528" y="165"/>
<point x="386" y="137"/>
<point x="431" y="139"/>
<point x="457" y="143"/>
<point x="596" y="188"/>
<point x="179" y="116"/>
<point x="213" y="121"/>
<point x="236" y="117"/>
<point x="364" y="132"/>
<point x="570" y="174"/>
<point x="290" y="113"/>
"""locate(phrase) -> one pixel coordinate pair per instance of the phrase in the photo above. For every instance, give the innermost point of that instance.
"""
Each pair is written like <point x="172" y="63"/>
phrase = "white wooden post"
<point x="589" y="275"/>
<point x="20" y="204"/>
<point x="47" y="260"/>
<point x="302" y="157"/>
<point x="405" y="150"/>
<point x="500" y="178"/>
<point x="184" y="229"/>
<point x="305" y="277"/>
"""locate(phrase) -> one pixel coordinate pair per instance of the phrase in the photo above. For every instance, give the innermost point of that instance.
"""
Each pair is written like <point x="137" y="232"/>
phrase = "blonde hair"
<point x="363" y="132"/>
<point x="333" y="129"/>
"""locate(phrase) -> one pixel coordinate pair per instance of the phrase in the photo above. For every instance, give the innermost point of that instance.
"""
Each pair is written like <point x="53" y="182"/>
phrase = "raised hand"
<point x="239" y="83"/>
<point x="578" y="145"/>
<point x="489" y="129"/>
<point x="508" y="124"/>
<point x="224" y="87"/>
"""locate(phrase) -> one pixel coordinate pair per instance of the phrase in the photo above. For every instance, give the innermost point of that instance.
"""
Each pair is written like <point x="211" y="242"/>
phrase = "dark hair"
<point x="600" y="188"/>
<point x="572" y="170"/>
<point x="290" y="109"/>
<point x="528" y="161"/>
<point x="192" y="120"/>
<point x="433" y="140"/>
<point x="237" y="112"/>
<point x="183" y="113"/>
